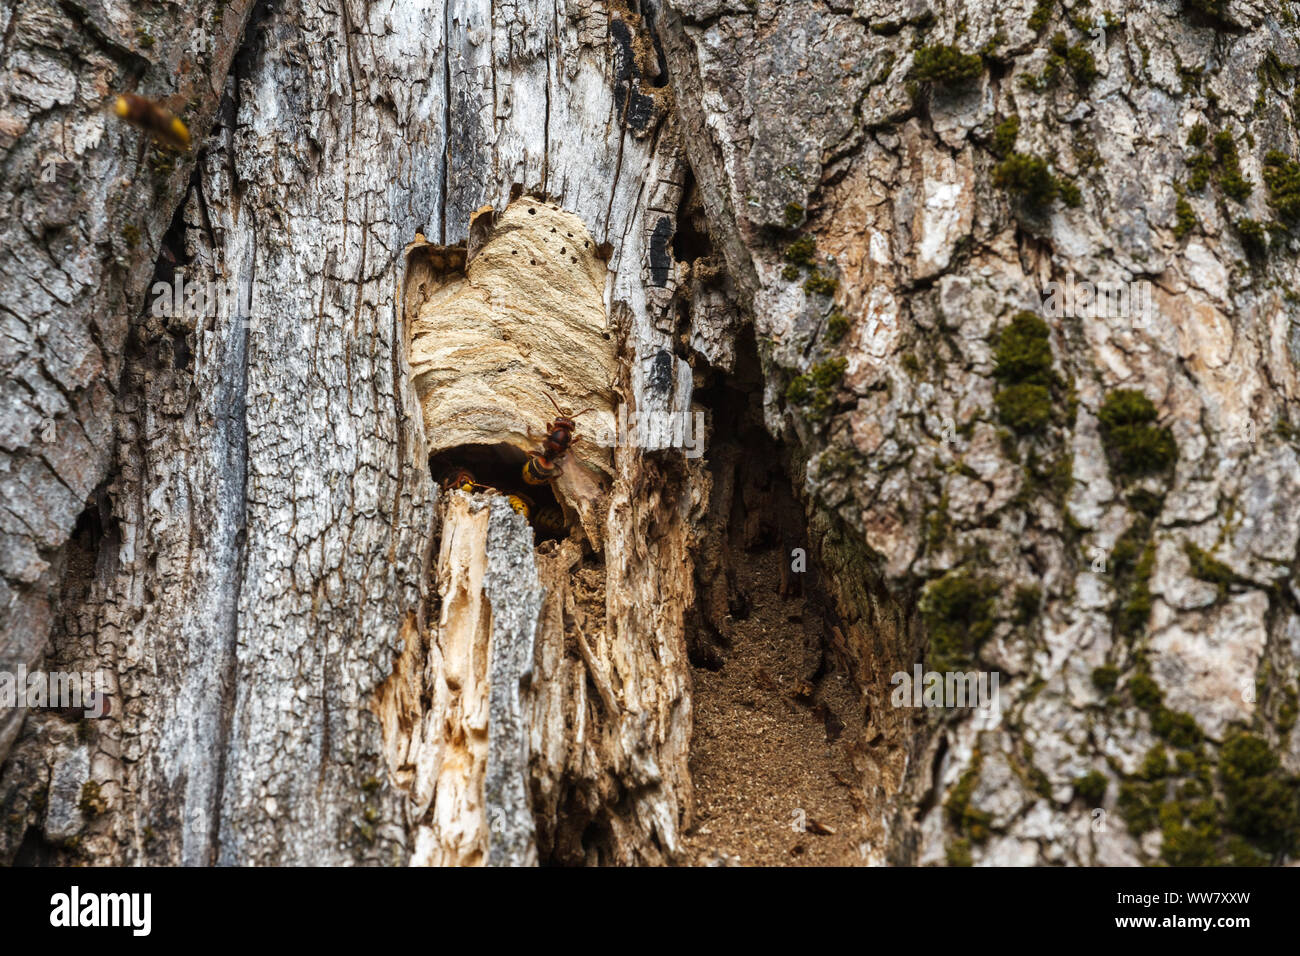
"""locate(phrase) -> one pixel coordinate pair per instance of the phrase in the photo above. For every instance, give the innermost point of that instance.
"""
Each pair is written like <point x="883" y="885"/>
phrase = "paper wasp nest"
<point x="523" y="320"/>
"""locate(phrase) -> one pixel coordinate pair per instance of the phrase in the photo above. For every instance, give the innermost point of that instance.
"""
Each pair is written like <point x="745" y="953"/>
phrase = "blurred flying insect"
<point x="164" y="126"/>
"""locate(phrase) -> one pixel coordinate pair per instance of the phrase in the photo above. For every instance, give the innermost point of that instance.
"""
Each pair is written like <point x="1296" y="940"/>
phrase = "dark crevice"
<point x="134" y="64"/>
<point x="90" y="558"/>
<point x="35" y="850"/>
<point x="691" y="240"/>
<point x="172" y="258"/>
<point x="232" y="433"/>
<point x="446" y="123"/>
<point x="754" y="507"/>
<point x="647" y="11"/>
<point x="635" y="109"/>
<point x="498" y="469"/>
<point x="247" y="61"/>
<point x="762" y="636"/>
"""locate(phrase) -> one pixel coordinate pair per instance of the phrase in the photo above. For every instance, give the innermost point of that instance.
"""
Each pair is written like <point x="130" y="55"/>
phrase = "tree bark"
<point x="317" y="654"/>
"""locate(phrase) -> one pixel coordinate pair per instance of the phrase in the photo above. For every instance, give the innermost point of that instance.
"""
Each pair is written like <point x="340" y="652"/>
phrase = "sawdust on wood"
<point x="770" y="758"/>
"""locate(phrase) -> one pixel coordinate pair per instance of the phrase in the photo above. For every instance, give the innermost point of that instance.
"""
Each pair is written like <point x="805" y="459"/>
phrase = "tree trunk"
<point x="828" y="229"/>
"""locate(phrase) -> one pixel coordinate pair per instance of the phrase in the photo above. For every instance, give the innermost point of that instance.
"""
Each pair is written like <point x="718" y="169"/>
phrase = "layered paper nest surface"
<point x="523" y="320"/>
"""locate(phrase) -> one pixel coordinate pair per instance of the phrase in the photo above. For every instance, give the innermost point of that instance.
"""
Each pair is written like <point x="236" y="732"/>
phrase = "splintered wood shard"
<point x="464" y="762"/>
<point x="514" y="593"/>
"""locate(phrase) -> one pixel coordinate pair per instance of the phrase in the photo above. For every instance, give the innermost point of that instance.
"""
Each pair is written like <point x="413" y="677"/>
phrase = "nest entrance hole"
<point x="499" y="469"/>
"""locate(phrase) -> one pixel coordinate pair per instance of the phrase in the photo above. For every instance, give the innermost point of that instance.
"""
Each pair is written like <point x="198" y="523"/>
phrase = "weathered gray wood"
<point x="511" y="584"/>
<point x="78" y="239"/>
<point x="798" y="120"/>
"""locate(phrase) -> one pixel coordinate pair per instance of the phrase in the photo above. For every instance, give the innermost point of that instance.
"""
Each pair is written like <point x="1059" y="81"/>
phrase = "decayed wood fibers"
<point x="462" y="757"/>
<point x="605" y="712"/>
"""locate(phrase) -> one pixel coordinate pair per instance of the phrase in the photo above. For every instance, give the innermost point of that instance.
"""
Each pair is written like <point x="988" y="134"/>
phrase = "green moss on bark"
<point x="1135" y="445"/>
<point x="1105" y="678"/>
<point x="1234" y="184"/>
<point x="946" y="66"/>
<point x="1042" y="14"/>
<point x="965" y="819"/>
<point x="1262" y="802"/>
<point x="1004" y="137"/>
<point x="1091" y="788"/>
<point x="958" y="611"/>
<point x="1028" y="178"/>
<point x="815" y="391"/>
<point x="1209" y="569"/>
<point x="1023" y="364"/>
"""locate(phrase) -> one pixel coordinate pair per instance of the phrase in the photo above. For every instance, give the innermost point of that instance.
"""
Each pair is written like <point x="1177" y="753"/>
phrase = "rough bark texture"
<point x="803" y="120"/>
<point x="234" y="516"/>
<point x="83" y="216"/>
